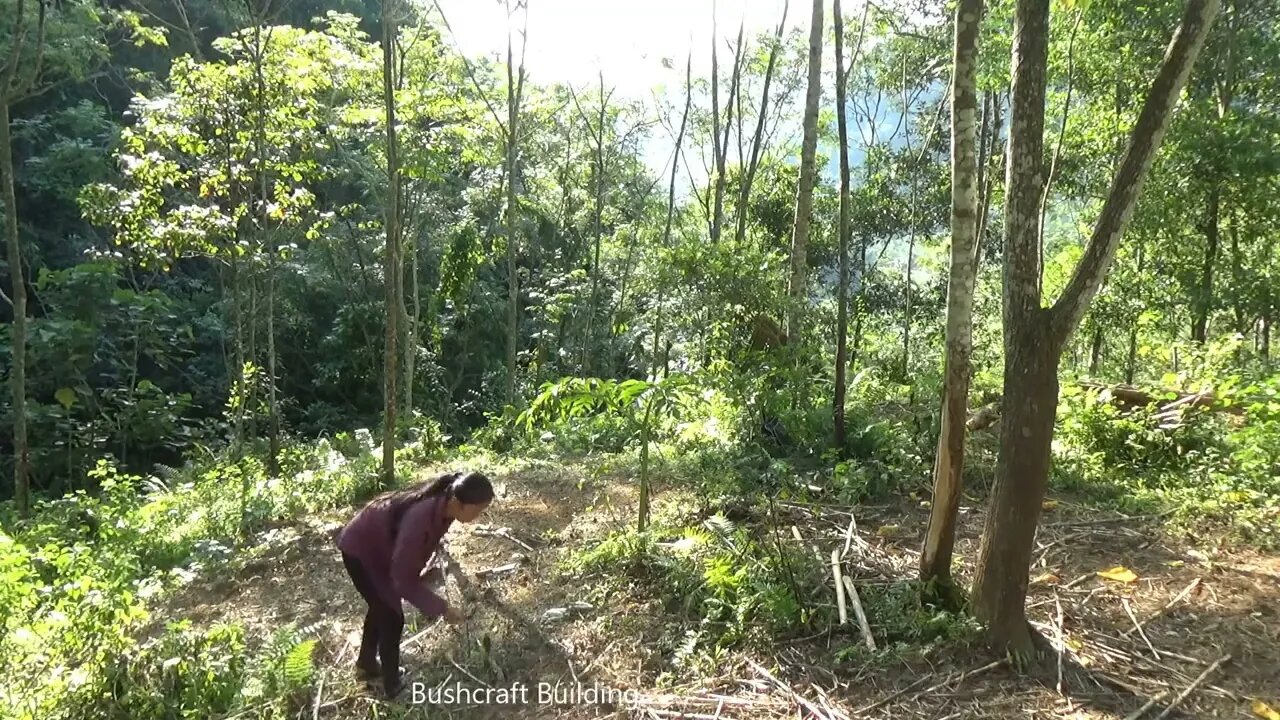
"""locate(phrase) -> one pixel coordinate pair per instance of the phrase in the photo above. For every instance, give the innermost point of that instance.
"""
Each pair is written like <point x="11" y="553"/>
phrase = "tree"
<point x="935" y="560"/>
<point x="14" y="86"/>
<point x="796" y="285"/>
<point x="1035" y="336"/>
<point x="720" y="141"/>
<point x="757" y="138"/>
<point x="843" y="228"/>
<point x="515" y="91"/>
<point x="48" y="44"/>
<point x="391" y="259"/>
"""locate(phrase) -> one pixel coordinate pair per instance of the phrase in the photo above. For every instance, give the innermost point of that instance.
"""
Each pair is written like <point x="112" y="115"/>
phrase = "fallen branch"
<point x="1110" y="520"/>
<point x="656" y="712"/>
<point x="449" y="657"/>
<point x="960" y="678"/>
<point x="1146" y="706"/>
<point x="794" y="695"/>
<point x="835" y="574"/>
<point x="419" y="635"/>
<point x="500" y="570"/>
<point x="1062" y="645"/>
<point x="1194" y="684"/>
<point x="504" y="533"/>
<point x="315" y="710"/>
<point x="1177" y="599"/>
<point x="920" y="681"/>
<point x="863" y="625"/>
<point x="849" y="535"/>
<point x="885" y="701"/>
<point x="1128" y="609"/>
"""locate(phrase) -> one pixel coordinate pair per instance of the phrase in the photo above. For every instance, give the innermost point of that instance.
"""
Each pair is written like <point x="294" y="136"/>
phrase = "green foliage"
<point x="908" y="625"/>
<point x="718" y="579"/>
<point x="1210" y="468"/>
<point x="79" y="574"/>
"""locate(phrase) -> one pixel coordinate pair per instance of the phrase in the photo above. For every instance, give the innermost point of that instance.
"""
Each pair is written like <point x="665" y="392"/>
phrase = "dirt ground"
<point x="1197" y="605"/>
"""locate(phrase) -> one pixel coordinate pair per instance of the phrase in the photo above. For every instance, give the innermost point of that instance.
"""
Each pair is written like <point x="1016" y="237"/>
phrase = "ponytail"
<point x="472" y="488"/>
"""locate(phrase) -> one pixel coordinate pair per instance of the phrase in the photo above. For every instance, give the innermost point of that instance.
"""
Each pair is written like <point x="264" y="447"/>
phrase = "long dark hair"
<point x="472" y="488"/>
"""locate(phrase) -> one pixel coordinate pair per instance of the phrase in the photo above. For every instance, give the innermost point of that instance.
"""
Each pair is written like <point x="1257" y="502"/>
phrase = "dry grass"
<point x="1108" y="670"/>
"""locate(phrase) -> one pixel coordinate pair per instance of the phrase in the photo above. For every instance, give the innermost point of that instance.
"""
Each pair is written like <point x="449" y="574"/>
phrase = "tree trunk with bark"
<point x="842" y="290"/>
<point x="18" y="331"/>
<point x="935" y="559"/>
<point x="1204" y="293"/>
<point x="1035" y="336"/>
<point x="515" y="89"/>
<point x="391" y="258"/>
<point x="797" y="286"/>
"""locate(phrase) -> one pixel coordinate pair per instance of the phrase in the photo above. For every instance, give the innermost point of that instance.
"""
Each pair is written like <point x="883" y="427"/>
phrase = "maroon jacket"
<point x="395" y="563"/>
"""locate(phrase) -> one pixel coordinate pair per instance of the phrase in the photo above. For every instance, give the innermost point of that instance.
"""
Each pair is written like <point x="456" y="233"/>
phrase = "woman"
<point x="385" y="547"/>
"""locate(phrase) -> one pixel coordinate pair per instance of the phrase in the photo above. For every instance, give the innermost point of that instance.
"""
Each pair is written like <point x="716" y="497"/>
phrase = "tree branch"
<point x="7" y="91"/>
<point x="471" y="71"/>
<point x="1062" y="133"/>
<point x="1148" y="131"/>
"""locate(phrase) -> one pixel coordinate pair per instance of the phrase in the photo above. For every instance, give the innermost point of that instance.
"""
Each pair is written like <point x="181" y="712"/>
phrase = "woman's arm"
<point x="418" y="537"/>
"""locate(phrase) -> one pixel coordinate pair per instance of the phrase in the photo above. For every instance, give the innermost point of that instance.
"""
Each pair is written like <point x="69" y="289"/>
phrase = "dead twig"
<point x="1062" y="645"/>
<point x="315" y="709"/>
<point x="863" y="625"/>
<point x="499" y="570"/>
<point x="464" y="671"/>
<point x="835" y="574"/>
<point x="885" y="701"/>
<point x="1194" y="684"/>
<point x="1146" y="706"/>
<point x="956" y="679"/>
<point x="1176" y="599"/>
<point x="504" y="533"/>
<point x="1128" y="609"/>
<point x="817" y="712"/>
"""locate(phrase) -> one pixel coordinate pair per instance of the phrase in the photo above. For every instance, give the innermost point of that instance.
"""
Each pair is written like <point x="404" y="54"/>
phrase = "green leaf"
<point x="65" y="397"/>
<point x="298" y="666"/>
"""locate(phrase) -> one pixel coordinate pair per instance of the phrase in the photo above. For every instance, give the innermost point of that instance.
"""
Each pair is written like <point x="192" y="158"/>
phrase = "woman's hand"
<point x="453" y="615"/>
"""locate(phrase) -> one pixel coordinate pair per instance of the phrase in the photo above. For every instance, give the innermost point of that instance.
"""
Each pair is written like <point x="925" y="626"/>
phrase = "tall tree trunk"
<point x="412" y="331"/>
<point x="990" y="165"/>
<point x="391" y="269"/>
<point x="722" y="144"/>
<point x="842" y="289"/>
<point x="1264" y="348"/>
<point x="1204" y="296"/>
<point x="1095" y="351"/>
<point x="757" y="137"/>
<point x="1030" y="365"/>
<point x="273" y="454"/>
<point x="797" y="286"/>
<point x="515" y="89"/>
<point x="1238" y="304"/>
<point x="273" y="428"/>
<point x="18" y="331"/>
<point x="671" y="206"/>
<point x="948" y="466"/>
<point x="238" y="388"/>
<point x="1130" y="364"/>
<point x="589" y="340"/>
<point x="1035" y="336"/>
<point x="251" y="326"/>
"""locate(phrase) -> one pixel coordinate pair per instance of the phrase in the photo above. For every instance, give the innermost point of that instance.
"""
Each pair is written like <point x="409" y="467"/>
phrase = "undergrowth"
<point x="79" y="576"/>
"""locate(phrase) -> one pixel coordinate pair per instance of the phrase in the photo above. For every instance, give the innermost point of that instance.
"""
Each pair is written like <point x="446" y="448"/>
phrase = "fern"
<point x="721" y="525"/>
<point x="298" y="665"/>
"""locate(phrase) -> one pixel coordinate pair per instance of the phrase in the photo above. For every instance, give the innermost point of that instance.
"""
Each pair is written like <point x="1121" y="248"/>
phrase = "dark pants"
<point x="383" y="626"/>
